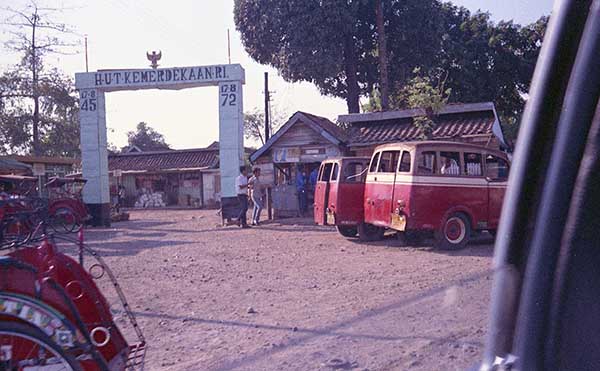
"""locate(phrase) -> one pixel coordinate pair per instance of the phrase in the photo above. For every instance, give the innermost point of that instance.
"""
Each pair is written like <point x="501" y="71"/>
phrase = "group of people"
<point x="257" y="193"/>
<point x="256" y="189"/>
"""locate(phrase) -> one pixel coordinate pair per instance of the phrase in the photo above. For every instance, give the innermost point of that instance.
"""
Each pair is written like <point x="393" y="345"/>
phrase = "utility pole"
<point x="267" y="100"/>
<point x="228" y="47"/>
<point x="267" y="135"/>
<point x="86" y="55"/>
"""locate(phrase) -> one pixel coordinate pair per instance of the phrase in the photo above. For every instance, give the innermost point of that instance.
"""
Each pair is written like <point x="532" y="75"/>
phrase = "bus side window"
<point x="326" y="173"/>
<point x="405" y="162"/>
<point x="388" y="162"/>
<point x="472" y="164"/>
<point x="426" y="163"/>
<point x="374" y="162"/>
<point x="353" y="172"/>
<point x="496" y="168"/>
<point x="450" y="163"/>
<point x="334" y="173"/>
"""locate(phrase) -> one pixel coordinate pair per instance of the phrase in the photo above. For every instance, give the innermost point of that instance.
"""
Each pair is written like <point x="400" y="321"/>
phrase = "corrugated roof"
<point x="165" y="160"/>
<point x="401" y="129"/>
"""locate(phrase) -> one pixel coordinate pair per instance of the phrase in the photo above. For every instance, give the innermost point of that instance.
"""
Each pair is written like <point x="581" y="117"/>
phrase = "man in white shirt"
<point x="450" y="167"/>
<point x="241" y="185"/>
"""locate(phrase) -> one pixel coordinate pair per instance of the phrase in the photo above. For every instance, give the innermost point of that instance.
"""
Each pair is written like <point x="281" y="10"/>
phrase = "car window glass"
<point x="326" y="173"/>
<point x="374" y="162"/>
<point x="405" y="162"/>
<point x="334" y="173"/>
<point x="449" y="163"/>
<point x="426" y="163"/>
<point x="496" y="167"/>
<point x="353" y="172"/>
<point x="472" y="164"/>
<point x="388" y="162"/>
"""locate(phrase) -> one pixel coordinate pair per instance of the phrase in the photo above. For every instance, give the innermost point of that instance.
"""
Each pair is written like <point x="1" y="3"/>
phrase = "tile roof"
<point x="165" y="160"/>
<point x="449" y="126"/>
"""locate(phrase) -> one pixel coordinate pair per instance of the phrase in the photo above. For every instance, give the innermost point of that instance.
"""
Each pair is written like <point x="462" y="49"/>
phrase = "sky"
<point x="192" y="33"/>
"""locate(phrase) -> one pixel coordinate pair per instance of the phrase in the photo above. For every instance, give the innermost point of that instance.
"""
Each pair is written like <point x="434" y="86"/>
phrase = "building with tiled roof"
<point x="185" y="178"/>
<point x="474" y="123"/>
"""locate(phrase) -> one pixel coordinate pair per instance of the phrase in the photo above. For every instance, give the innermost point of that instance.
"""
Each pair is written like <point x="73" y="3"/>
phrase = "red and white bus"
<point x="451" y="189"/>
<point x="339" y="193"/>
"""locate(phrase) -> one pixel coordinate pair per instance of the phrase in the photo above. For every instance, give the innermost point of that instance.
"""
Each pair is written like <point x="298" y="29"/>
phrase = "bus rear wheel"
<point x="370" y="232"/>
<point x="454" y="233"/>
<point x="347" y="232"/>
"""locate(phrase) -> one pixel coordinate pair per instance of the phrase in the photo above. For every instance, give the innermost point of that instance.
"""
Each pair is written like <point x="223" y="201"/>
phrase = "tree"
<point x="328" y="43"/>
<point x="34" y="35"/>
<point x="146" y="138"/>
<point x="345" y="48"/>
<point x="254" y="124"/>
<point x="382" y="53"/>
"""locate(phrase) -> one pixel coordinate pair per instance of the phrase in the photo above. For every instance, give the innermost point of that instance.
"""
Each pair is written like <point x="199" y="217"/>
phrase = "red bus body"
<point x="418" y="186"/>
<point x="339" y="191"/>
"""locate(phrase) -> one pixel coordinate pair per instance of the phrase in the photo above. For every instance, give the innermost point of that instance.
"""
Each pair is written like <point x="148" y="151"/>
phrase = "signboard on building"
<point x="39" y="169"/>
<point x="281" y="155"/>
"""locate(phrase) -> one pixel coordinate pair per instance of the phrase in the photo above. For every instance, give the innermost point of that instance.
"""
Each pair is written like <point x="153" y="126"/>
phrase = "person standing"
<point x="256" y="193"/>
<point x="241" y="185"/>
<point x="301" y="189"/>
<point x="313" y="178"/>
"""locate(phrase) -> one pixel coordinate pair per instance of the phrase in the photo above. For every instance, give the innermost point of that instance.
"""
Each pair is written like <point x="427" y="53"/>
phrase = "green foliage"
<point x="146" y="138"/>
<point x="59" y="113"/>
<point x="330" y="43"/>
<point x="420" y="93"/>
<point x="39" y="110"/>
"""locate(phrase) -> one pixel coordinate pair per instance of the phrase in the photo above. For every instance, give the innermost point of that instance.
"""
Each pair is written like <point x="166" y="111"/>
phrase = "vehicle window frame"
<point x="361" y="179"/>
<point x="422" y="152"/>
<point x="374" y="161"/>
<point x="320" y="179"/>
<point x="400" y="162"/>
<point x="506" y="162"/>
<point x="458" y="163"/>
<point x="481" y="164"/>
<point x="335" y="170"/>
<point x="395" y="155"/>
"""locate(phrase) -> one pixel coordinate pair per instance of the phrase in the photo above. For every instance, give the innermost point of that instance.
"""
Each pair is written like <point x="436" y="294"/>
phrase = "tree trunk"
<point x="383" y="63"/>
<point x="350" y="67"/>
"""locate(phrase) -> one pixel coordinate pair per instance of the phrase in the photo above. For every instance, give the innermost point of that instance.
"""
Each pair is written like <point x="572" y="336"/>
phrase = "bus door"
<point x="322" y="192"/>
<point x="384" y="191"/>
<point x="346" y="200"/>
<point x="497" y="176"/>
<point x="400" y="193"/>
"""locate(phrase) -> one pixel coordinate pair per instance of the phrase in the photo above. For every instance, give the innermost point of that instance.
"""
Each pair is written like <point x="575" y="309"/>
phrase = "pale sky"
<point x="190" y="33"/>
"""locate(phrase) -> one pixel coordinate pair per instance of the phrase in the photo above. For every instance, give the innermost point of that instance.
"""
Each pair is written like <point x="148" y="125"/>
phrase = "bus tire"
<point x="347" y="232"/>
<point x="370" y="232"/>
<point x="454" y="233"/>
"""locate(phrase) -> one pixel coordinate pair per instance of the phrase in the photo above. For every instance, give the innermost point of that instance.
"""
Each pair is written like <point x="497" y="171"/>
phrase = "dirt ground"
<point x="293" y="296"/>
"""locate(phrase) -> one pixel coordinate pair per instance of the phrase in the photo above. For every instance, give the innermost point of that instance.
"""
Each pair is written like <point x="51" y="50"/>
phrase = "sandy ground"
<point x="293" y="296"/>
